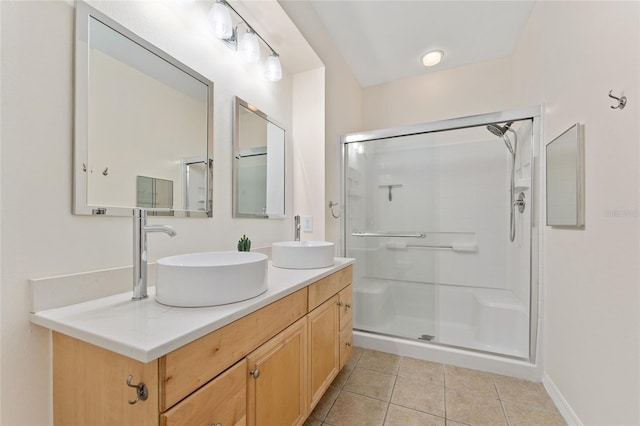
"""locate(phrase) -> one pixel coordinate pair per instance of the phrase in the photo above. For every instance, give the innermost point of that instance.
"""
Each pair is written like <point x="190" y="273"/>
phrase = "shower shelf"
<point x="522" y="184"/>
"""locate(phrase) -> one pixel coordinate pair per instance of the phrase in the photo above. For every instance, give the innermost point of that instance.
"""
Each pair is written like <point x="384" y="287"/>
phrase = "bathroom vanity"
<point x="266" y="361"/>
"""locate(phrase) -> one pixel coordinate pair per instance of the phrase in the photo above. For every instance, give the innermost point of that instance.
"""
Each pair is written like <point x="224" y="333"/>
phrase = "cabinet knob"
<point x="255" y="373"/>
<point x="348" y="344"/>
<point x="142" y="393"/>
<point x="348" y="305"/>
<point x="339" y="303"/>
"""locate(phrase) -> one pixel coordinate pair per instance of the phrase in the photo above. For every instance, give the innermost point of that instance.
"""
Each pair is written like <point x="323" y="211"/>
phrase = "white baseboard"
<point x="563" y="406"/>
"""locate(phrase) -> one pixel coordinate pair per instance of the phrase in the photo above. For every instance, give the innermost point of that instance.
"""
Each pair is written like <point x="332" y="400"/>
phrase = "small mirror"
<point x="565" y="178"/>
<point x="258" y="164"/>
<point x="143" y="125"/>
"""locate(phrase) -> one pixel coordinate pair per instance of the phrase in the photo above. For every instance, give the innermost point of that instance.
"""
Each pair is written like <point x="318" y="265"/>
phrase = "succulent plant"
<point x="244" y="244"/>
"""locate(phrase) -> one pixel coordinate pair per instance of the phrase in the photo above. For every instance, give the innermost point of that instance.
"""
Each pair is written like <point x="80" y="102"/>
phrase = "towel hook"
<point x="331" y="206"/>
<point x="622" y="100"/>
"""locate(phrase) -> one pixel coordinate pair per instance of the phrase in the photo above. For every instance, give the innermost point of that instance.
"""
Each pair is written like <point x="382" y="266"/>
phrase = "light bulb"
<point x="432" y="58"/>
<point x="249" y="47"/>
<point x="272" y="68"/>
<point x="220" y="19"/>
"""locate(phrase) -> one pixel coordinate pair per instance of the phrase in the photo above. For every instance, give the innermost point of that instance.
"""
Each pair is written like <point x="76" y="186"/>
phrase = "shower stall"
<point x="442" y="221"/>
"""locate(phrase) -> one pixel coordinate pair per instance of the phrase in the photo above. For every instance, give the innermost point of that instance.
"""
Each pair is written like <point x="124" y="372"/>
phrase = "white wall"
<point x="591" y="291"/>
<point x="308" y="152"/>
<point x="569" y="57"/>
<point x="40" y="237"/>
<point x="456" y="92"/>
<point x="342" y="102"/>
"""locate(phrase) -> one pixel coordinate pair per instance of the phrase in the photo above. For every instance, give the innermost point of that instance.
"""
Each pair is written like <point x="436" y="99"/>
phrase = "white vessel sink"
<point x="210" y="279"/>
<point x="302" y="254"/>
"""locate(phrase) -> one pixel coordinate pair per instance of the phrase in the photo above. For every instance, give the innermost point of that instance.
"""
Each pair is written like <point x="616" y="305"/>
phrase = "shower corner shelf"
<point x="522" y="184"/>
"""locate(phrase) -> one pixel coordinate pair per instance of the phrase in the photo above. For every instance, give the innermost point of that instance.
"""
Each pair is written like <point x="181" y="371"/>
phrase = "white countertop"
<point x="146" y="330"/>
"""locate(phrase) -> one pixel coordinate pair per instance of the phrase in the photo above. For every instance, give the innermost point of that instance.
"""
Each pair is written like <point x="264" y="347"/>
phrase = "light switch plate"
<point x="307" y="223"/>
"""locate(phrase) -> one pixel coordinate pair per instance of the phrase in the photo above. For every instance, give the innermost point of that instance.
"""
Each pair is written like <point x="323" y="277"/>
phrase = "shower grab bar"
<point x="457" y="246"/>
<point x="430" y="247"/>
<point x="389" y="234"/>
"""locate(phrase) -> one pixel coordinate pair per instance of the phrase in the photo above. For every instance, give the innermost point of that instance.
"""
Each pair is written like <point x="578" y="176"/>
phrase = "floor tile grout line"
<point x="393" y="388"/>
<point x="495" y="386"/>
<point x="444" y="386"/>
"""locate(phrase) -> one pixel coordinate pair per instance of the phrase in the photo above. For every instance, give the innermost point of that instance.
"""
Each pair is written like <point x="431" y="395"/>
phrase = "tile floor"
<point x="376" y="389"/>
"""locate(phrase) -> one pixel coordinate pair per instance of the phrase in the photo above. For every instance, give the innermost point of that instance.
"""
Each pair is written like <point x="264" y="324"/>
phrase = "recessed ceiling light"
<point x="432" y="58"/>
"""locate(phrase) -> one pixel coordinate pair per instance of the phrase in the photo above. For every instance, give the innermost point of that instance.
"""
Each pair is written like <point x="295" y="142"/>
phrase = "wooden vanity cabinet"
<point x="270" y="367"/>
<point x="330" y="330"/>
<point x="277" y="374"/>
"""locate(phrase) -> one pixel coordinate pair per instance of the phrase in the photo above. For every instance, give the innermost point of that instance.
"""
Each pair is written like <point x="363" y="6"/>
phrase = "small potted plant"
<point x="244" y="244"/>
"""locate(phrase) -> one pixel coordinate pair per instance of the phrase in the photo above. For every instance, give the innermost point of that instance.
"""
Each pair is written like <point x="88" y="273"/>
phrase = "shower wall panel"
<point x="455" y="193"/>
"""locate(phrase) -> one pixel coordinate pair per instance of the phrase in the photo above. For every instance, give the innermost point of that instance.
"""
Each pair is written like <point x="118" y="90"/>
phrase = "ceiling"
<point x="383" y="40"/>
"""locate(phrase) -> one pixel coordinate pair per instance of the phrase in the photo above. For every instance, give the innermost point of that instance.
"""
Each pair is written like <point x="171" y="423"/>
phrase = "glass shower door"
<point x="427" y="218"/>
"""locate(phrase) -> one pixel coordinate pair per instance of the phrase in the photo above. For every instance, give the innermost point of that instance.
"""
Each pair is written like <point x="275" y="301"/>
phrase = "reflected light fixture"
<point x="247" y="46"/>
<point x="432" y="58"/>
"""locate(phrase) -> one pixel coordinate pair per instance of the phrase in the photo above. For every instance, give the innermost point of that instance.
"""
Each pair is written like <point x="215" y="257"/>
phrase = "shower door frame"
<point x="535" y="204"/>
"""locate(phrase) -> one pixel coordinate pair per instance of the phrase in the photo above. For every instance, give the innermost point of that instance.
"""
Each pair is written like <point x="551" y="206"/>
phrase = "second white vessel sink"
<point x="210" y="279"/>
<point x="302" y="254"/>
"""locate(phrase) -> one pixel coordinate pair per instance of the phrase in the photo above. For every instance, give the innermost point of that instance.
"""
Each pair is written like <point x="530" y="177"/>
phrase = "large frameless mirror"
<point x="143" y="125"/>
<point x="258" y="164"/>
<point x="565" y="178"/>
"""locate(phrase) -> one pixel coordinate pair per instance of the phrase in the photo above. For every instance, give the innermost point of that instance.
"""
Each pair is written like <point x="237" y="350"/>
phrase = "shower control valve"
<point x="520" y="202"/>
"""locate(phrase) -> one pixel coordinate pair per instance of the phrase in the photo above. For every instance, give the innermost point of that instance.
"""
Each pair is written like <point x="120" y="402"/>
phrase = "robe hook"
<point x="622" y="100"/>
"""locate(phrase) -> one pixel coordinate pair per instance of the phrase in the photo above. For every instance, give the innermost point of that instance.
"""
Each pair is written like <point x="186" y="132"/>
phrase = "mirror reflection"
<point x="139" y="113"/>
<point x="565" y="179"/>
<point x="258" y="165"/>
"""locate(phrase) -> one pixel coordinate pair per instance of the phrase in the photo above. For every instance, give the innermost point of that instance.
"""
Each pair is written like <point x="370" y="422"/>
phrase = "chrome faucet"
<point x="140" y="230"/>
<point x="296" y="224"/>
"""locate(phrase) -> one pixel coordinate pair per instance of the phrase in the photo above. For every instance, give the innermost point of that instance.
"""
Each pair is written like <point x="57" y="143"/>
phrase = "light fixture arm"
<point x="234" y="36"/>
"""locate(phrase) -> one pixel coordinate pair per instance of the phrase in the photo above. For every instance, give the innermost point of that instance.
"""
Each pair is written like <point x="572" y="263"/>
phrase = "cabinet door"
<point x="222" y="401"/>
<point x="346" y="324"/>
<point x="277" y="379"/>
<point x="323" y="347"/>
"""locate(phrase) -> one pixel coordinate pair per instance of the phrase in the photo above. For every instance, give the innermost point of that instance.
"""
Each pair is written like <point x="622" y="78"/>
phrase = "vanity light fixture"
<point x="432" y="58"/>
<point x="272" y="68"/>
<point x="248" y="46"/>
<point x="220" y="20"/>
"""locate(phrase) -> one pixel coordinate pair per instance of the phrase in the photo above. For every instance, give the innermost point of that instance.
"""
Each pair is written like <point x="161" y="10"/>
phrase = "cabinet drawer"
<point x="221" y="401"/>
<point x="346" y="305"/>
<point x="325" y="288"/>
<point x="191" y="366"/>
<point x="346" y="343"/>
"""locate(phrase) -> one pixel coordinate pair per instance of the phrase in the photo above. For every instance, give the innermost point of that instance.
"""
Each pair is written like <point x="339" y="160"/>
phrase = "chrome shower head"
<point x="501" y="132"/>
<point x="498" y="130"/>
